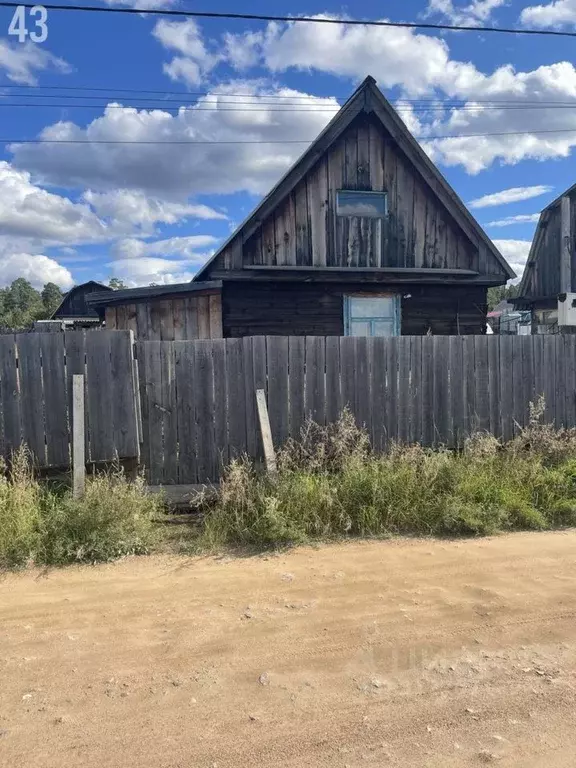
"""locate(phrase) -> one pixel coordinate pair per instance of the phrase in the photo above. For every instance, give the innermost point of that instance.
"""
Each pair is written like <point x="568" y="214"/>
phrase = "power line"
<point x="264" y="141"/>
<point x="298" y="19"/>
<point x="248" y="107"/>
<point x="195" y="95"/>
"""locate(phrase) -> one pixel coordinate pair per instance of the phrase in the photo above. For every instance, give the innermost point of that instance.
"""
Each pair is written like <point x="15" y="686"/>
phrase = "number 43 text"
<point x="37" y="18"/>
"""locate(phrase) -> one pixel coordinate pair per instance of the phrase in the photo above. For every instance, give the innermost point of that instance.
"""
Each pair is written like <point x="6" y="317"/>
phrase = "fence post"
<point x="266" y="432"/>
<point x="78" y="451"/>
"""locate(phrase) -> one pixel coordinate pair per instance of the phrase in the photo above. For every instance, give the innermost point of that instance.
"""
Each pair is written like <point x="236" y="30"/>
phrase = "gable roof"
<point x="534" y="247"/>
<point x="75" y="289"/>
<point x="367" y="99"/>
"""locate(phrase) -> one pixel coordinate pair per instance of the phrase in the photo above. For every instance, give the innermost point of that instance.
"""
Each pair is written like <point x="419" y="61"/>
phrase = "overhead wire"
<point x="177" y="12"/>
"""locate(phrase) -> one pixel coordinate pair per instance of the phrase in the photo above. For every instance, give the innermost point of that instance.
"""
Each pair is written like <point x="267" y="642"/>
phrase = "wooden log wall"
<point x="170" y="319"/>
<point x="36" y="371"/>
<point x="301" y="309"/>
<point x="199" y="397"/>
<point x="304" y="230"/>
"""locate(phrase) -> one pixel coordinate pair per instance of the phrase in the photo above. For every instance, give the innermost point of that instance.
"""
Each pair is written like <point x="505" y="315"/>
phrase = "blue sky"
<point x="151" y="213"/>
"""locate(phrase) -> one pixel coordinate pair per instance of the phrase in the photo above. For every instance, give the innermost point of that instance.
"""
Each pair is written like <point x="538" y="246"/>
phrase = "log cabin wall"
<point x="170" y="319"/>
<point x="304" y="229"/>
<point x="300" y="309"/>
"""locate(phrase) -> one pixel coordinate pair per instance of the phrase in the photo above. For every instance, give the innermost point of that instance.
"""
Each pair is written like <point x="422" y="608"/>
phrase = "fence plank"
<point x="315" y="385"/>
<point x="441" y="391"/>
<point x="494" y="383"/>
<point x="124" y="417"/>
<point x="252" y="440"/>
<point x="167" y="407"/>
<point x="362" y="385"/>
<point x="277" y="360"/>
<point x="32" y="397"/>
<point x="99" y="387"/>
<point x="185" y="412"/>
<point x="459" y="424"/>
<point x="333" y="397"/>
<point x="378" y="362"/>
<point x="55" y="400"/>
<point x="549" y="378"/>
<point x="347" y="363"/>
<point x="296" y="364"/>
<point x="392" y="415"/>
<point x="220" y="403"/>
<point x="236" y="395"/>
<point x="415" y="389"/>
<point x="404" y="390"/>
<point x="482" y="389"/>
<point x="10" y="404"/>
<point x="204" y="375"/>
<point x="152" y="419"/>
<point x="469" y="384"/>
<point x="75" y="347"/>
<point x="427" y="391"/>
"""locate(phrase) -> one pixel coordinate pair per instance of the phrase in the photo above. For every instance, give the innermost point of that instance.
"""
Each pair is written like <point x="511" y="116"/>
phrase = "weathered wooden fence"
<point x="36" y="372"/>
<point x="199" y="397"/>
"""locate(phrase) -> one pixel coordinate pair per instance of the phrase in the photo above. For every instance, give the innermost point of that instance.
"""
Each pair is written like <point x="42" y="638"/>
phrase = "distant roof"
<point x="89" y="284"/>
<point x="128" y="295"/>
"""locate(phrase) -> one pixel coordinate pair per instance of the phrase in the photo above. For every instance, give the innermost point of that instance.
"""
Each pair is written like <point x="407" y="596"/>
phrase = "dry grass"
<point x="330" y="484"/>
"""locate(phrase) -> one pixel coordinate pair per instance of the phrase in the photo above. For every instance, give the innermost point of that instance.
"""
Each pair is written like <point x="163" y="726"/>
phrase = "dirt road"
<point x="403" y="653"/>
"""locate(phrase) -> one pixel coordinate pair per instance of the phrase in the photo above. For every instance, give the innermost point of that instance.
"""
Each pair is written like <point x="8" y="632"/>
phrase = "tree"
<point x="21" y="304"/>
<point x="116" y="283"/>
<point x="500" y="292"/>
<point x="51" y="298"/>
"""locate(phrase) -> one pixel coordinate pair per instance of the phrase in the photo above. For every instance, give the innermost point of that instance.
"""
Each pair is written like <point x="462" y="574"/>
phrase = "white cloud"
<point x="22" y="61"/>
<point x="171" y="169"/>
<point x="144" y="4"/>
<point x="515" y="252"/>
<point x="511" y="195"/>
<point x="28" y="211"/>
<point x="37" y="269"/>
<point x="135" y="208"/>
<point x="476" y="13"/>
<point x="194" y="60"/>
<point x="188" y="247"/>
<point x="523" y="218"/>
<point x="419" y="65"/>
<point x="555" y="14"/>
<point x="147" y="269"/>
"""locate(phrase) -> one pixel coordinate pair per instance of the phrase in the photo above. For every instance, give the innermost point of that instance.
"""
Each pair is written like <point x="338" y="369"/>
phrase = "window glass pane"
<point x="379" y="306"/>
<point x="359" y="328"/>
<point x="383" y="328"/>
<point x="368" y="204"/>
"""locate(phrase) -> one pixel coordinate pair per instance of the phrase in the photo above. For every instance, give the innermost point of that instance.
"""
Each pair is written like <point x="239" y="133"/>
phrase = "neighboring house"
<point x="506" y="321"/>
<point x="74" y="312"/>
<point x="363" y="236"/>
<point x="549" y="276"/>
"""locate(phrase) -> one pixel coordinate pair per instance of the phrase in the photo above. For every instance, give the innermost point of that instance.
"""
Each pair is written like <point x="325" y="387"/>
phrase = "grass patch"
<point x="331" y="485"/>
<point x="43" y="525"/>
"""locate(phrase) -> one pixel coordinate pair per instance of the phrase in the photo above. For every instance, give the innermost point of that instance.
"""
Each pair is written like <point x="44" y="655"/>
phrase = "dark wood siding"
<point x="296" y="309"/>
<point x="170" y="319"/>
<point x="74" y="303"/>
<point x="304" y="229"/>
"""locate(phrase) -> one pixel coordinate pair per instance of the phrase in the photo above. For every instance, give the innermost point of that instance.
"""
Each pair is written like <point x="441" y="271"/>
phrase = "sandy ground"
<point x="403" y="653"/>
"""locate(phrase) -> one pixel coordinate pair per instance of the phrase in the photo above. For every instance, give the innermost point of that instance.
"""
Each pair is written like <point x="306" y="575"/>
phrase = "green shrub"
<point x="41" y="525"/>
<point x="20" y="513"/>
<point x="331" y="485"/>
<point x="112" y="519"/>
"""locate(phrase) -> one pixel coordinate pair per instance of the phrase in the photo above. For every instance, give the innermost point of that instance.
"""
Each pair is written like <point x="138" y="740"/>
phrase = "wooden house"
<point x="550" y="270"/>
<point x="74" y="311"/>
<point x="362" y="236"/>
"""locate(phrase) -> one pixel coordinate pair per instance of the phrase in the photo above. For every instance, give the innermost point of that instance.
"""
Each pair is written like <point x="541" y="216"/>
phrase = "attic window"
<point x="371" y="205"/>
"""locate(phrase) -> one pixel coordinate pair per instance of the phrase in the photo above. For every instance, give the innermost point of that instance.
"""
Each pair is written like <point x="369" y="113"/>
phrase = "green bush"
<point x="330" y="485"/>
<point x="41" y="525"/>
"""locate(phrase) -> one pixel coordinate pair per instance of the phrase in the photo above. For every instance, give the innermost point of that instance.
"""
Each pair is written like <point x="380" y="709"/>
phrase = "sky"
<point x="148" y="212"/>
